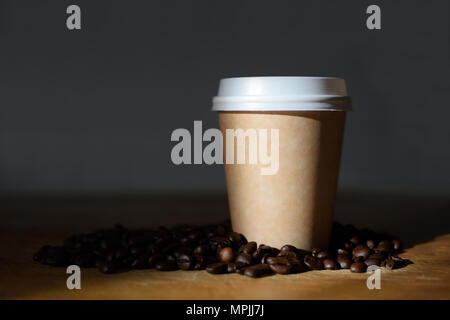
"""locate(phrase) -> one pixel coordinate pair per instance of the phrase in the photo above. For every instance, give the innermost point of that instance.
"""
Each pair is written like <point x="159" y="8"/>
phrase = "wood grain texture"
<point x="21" y="278"/>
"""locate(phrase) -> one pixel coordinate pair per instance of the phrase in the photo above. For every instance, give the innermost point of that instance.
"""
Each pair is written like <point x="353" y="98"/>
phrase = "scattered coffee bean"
<point x="361" y="251"/>
<point x="231" y="268"/>
<point x="258" y="270"/>
<point x="249" y="248"/>
<point x="372" y="262"/>
<point x="185" y="261"/>
<point x="166" y="265"/>
<point x="217" y="268"/>
<point x="330" y="264"/>
<point x="226" y="254"/>
<point x="344" y="261"/>
<point x="313" y="263"/>
<point x="243" y="259"/>
<point x="358" y="267"/>
<point x="397" y="245"/>
<point x="219" y="250"/>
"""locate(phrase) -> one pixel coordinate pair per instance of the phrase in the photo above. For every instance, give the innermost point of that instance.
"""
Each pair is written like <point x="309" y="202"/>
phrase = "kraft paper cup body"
<point x="296" y="204"/>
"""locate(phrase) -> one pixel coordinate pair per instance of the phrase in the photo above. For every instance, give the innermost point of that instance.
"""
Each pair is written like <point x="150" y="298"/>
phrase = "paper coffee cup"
<point x="293" y="204"/>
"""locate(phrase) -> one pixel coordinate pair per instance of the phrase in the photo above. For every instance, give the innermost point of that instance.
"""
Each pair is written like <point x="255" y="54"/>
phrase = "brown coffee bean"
<point x="231" y="268"/>
<point x="237" y="239"/>
<point x="355" y="240"/>
<point x="343" y="252"/>
<point x="226" y="255"/>
<point x="315" y="252"/>
<point x="313" y="263"/>
<point x="377" y="255"/>
<point x="383" y="246"/>
<point x="361" y="251"/>
<point x="258" y="270"/>
<point x="201" y="250"/>
<point x="185" y="261"/>
<point x="348" y="246"/>
<point x="358" y="267"/>
<point x="370" y="244"/>
<point x="330" y="264"/>
<point x="249" y="248"/>
<point x="372" y="262"/>
<point x="289" y="254"/>
<point x="287" y="248"/>
<point x="344" y="261"/>
<point x="152" y="260"/>
<point x="200" y="263"/>
<point x="322" y="255"/>
<point x="263" y="249"/>
<point x="277" y="260"/>
<point x="243" y="259"/>
<point x="217" y="268"/>
<point x="281" y="268"/>
<point x="390" y="264"/>
<point x="166" y="265"/>
<point x="397" y="244"/>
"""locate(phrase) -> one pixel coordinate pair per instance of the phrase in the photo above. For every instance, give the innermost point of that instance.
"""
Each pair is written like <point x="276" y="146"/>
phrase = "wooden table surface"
<point x="427" y="278"/>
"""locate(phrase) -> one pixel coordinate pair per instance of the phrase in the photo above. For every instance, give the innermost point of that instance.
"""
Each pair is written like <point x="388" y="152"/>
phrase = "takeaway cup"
<point x="282" y="184"/>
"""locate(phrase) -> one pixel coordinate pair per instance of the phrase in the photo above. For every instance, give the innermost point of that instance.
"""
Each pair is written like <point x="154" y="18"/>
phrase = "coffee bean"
<point x="185" y="261"/>
<point x="370" y="244"/>
<point x="217" y="268"/>
<point x="372" y="262"/>
<point x="315" y="252"/>
<point x="343" y="252"/>
<point x="188" y="247"/>
<point x="358" y="267"/>
<point x="344" y="261"/>
<point x="281" y="268"/>
<point x="355" y="240"/>
<point x="200" y="263"/>
<point x="287" y="248"/>
<point x="361" y="251"/>
<point x="152" y="260"/>
<point x="237" y="239"/>
<point x="264" y="258"/>
<point x="243" y="259"/>
<point x="313" y="263"/>
<point x="249" y="248"/>
<point x="231" y="268"/>
<point x="182" y="250"/>
<point x="201" y="250"/>
<point x="258" y="270"/>
<point x="277" y="260"/>
<point x="377" y="255"/>
<point x="226" y="254"/>
<point x="166" y="265"/>
<point x="330" y="264"/>
<point x="390" y="264"/>
<point x="383" y="246"/>
<point x="264" y="249"/>
<point x="397" y="244"/>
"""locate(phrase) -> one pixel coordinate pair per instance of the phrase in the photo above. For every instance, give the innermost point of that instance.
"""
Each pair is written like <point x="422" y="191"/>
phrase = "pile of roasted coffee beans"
<point x="218" y="249"/>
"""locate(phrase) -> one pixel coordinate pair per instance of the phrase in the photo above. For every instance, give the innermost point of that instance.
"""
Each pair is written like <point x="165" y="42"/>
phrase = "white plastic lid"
<point x="282" y="94"/>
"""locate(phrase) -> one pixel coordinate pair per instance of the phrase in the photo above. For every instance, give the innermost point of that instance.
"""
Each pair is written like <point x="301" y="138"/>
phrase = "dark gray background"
<point x="93" y="110"/>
